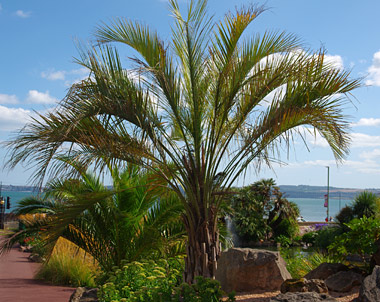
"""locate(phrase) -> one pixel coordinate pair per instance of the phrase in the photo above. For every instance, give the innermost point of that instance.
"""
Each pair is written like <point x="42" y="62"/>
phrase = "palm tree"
<point x="198" y="110"/>
<point x="364" y="204"/>
<point x="132" y="221"/>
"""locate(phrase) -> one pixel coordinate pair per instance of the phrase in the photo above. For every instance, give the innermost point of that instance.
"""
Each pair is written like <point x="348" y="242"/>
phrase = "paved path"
<point x="17" y="283"/>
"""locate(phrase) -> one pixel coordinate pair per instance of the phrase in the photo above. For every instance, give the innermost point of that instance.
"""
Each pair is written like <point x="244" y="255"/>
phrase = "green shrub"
<point x="309" y="238"/>
<point x="360" y="239"/>
<point x="326" y="236"/>
<point x="143" y="281"/>
<point x="158" y="282"/>
<point x="286" y="228"/>
<point x="283" y="240"/>
<point x="345" y="215"/>
<point x="204" y="290"/>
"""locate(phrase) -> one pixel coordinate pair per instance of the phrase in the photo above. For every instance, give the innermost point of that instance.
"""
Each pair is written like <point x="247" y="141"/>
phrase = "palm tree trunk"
<point x="203" y="250"/>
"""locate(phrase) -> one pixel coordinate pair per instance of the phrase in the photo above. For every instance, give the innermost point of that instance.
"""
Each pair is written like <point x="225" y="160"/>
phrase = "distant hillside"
<point x="11" y="188"/>
<point x="300" y="191"/>
<point x="303" y="191"/>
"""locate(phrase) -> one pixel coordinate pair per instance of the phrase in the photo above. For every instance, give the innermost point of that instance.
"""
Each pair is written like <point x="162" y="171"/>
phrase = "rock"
<point x="343" y="281"/>
<point x="244" y="269"/>
<point x="375" y="259"/>
<point x="370" y="289"/>
<point x="84" y="294"/>
<point x="325" y="270"/>
<point x="304" y="285"/>
<point x="35" y="258"/>
<point x="302" y="297"/>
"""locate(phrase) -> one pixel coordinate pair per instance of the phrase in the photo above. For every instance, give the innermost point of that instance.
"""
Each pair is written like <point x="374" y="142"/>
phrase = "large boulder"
<point x="370" y="289"/>
<point x="343" y="281"/>
<point x="84" y="294"/>
<point x="304" y="285"/>
<point x="244" y="269"/>
<point x="325" y="270"/>
<point x="302" y="297"/>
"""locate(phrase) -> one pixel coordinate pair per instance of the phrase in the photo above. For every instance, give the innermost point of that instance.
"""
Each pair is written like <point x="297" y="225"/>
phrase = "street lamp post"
<point x="2" y="213"/>
<point x="328" y="193"/>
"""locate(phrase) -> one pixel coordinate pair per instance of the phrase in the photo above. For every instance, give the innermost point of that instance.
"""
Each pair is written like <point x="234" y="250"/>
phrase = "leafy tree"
<point x="198" y="110"/>
<point x="261" y="211"/>
<point x="131" y="221"/>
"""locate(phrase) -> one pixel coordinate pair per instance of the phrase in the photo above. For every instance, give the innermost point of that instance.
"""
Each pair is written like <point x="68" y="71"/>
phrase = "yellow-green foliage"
<point x="299" y="264"/>
<point x="69" y="265"/>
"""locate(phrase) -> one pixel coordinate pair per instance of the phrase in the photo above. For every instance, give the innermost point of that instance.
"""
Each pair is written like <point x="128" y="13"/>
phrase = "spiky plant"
<point x="132" y="221"/>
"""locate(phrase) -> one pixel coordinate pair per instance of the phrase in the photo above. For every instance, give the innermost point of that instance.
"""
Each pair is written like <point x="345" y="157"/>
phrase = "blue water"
<point x="15" y="197"/>
<point x="312" y="209"/>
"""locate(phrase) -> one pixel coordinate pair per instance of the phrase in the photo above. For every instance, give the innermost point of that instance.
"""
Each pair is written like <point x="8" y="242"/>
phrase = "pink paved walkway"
<point x="17" y="283"/>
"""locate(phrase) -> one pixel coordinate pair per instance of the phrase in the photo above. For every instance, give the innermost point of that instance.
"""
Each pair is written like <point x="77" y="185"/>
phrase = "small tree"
<point x="260" y="211"/>
<point x="198" y="110"/>
<point x="364" y="204"/>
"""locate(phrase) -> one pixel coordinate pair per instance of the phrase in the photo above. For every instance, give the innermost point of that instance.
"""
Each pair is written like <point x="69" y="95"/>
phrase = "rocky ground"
<point x="265" y="296"/>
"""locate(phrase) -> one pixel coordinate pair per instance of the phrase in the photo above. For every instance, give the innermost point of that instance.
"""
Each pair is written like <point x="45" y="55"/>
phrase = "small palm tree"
<point x="128" y="222"/>
<point x="197" y="110"/>
<point x="364" y="204"/>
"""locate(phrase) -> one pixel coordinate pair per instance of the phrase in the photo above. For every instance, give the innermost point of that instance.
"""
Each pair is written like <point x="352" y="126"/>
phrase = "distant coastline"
<point x="304" y="191"/>
<point x="11" y="188"/>
<point x="290" y="191"/>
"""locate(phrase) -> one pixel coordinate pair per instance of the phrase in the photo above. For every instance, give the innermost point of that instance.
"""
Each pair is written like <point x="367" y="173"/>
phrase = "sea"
<point x="311" y="209"/>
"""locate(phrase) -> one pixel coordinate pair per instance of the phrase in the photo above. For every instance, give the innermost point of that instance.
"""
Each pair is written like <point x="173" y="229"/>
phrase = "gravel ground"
<point x="262" y="296"/>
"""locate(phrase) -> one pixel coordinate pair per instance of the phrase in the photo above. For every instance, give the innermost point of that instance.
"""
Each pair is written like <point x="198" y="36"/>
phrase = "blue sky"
<point x="38" y="47"/>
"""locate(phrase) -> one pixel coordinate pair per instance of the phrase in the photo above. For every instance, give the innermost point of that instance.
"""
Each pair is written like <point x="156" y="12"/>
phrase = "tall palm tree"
<point x="198" y="110"/>
<point x="132" y="221"/>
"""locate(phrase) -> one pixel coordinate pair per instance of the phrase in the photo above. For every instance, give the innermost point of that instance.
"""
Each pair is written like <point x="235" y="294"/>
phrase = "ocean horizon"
<point x="311" y="209"/>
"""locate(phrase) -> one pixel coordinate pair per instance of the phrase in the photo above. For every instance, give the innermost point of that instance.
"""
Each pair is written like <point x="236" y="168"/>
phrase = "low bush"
<point x="149" y="281"/>
<point x="359" y="239"/>
<point x="69" y="265"/>
<point x="309" y="238"/>
<point x="326" y="236"/>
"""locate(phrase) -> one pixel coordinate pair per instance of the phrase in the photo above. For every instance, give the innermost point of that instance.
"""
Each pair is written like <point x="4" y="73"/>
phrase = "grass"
<point x="69" y="265"/>
<point x="300" y="263"/>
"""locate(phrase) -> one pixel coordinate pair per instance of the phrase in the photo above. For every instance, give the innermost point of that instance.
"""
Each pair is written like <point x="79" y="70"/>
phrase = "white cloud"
<point x="69" y="76"/>
<point x="366" y="167"/>
<point x="367" y="122"/>
<point x="370" y="155"/>
<point x="22" y="14"/>
<point x="360" y="140"/>
<point x="374" y="71"/>
<point x="37" y="97"/>
<point x="8" y="99"/>
<point x="13" y="118"/>
<point x="53" y="75"/>
<point x="335" y="61"/>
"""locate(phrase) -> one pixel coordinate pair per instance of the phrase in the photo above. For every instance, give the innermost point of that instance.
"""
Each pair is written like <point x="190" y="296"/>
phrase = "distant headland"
<point x="305" y="191"/>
